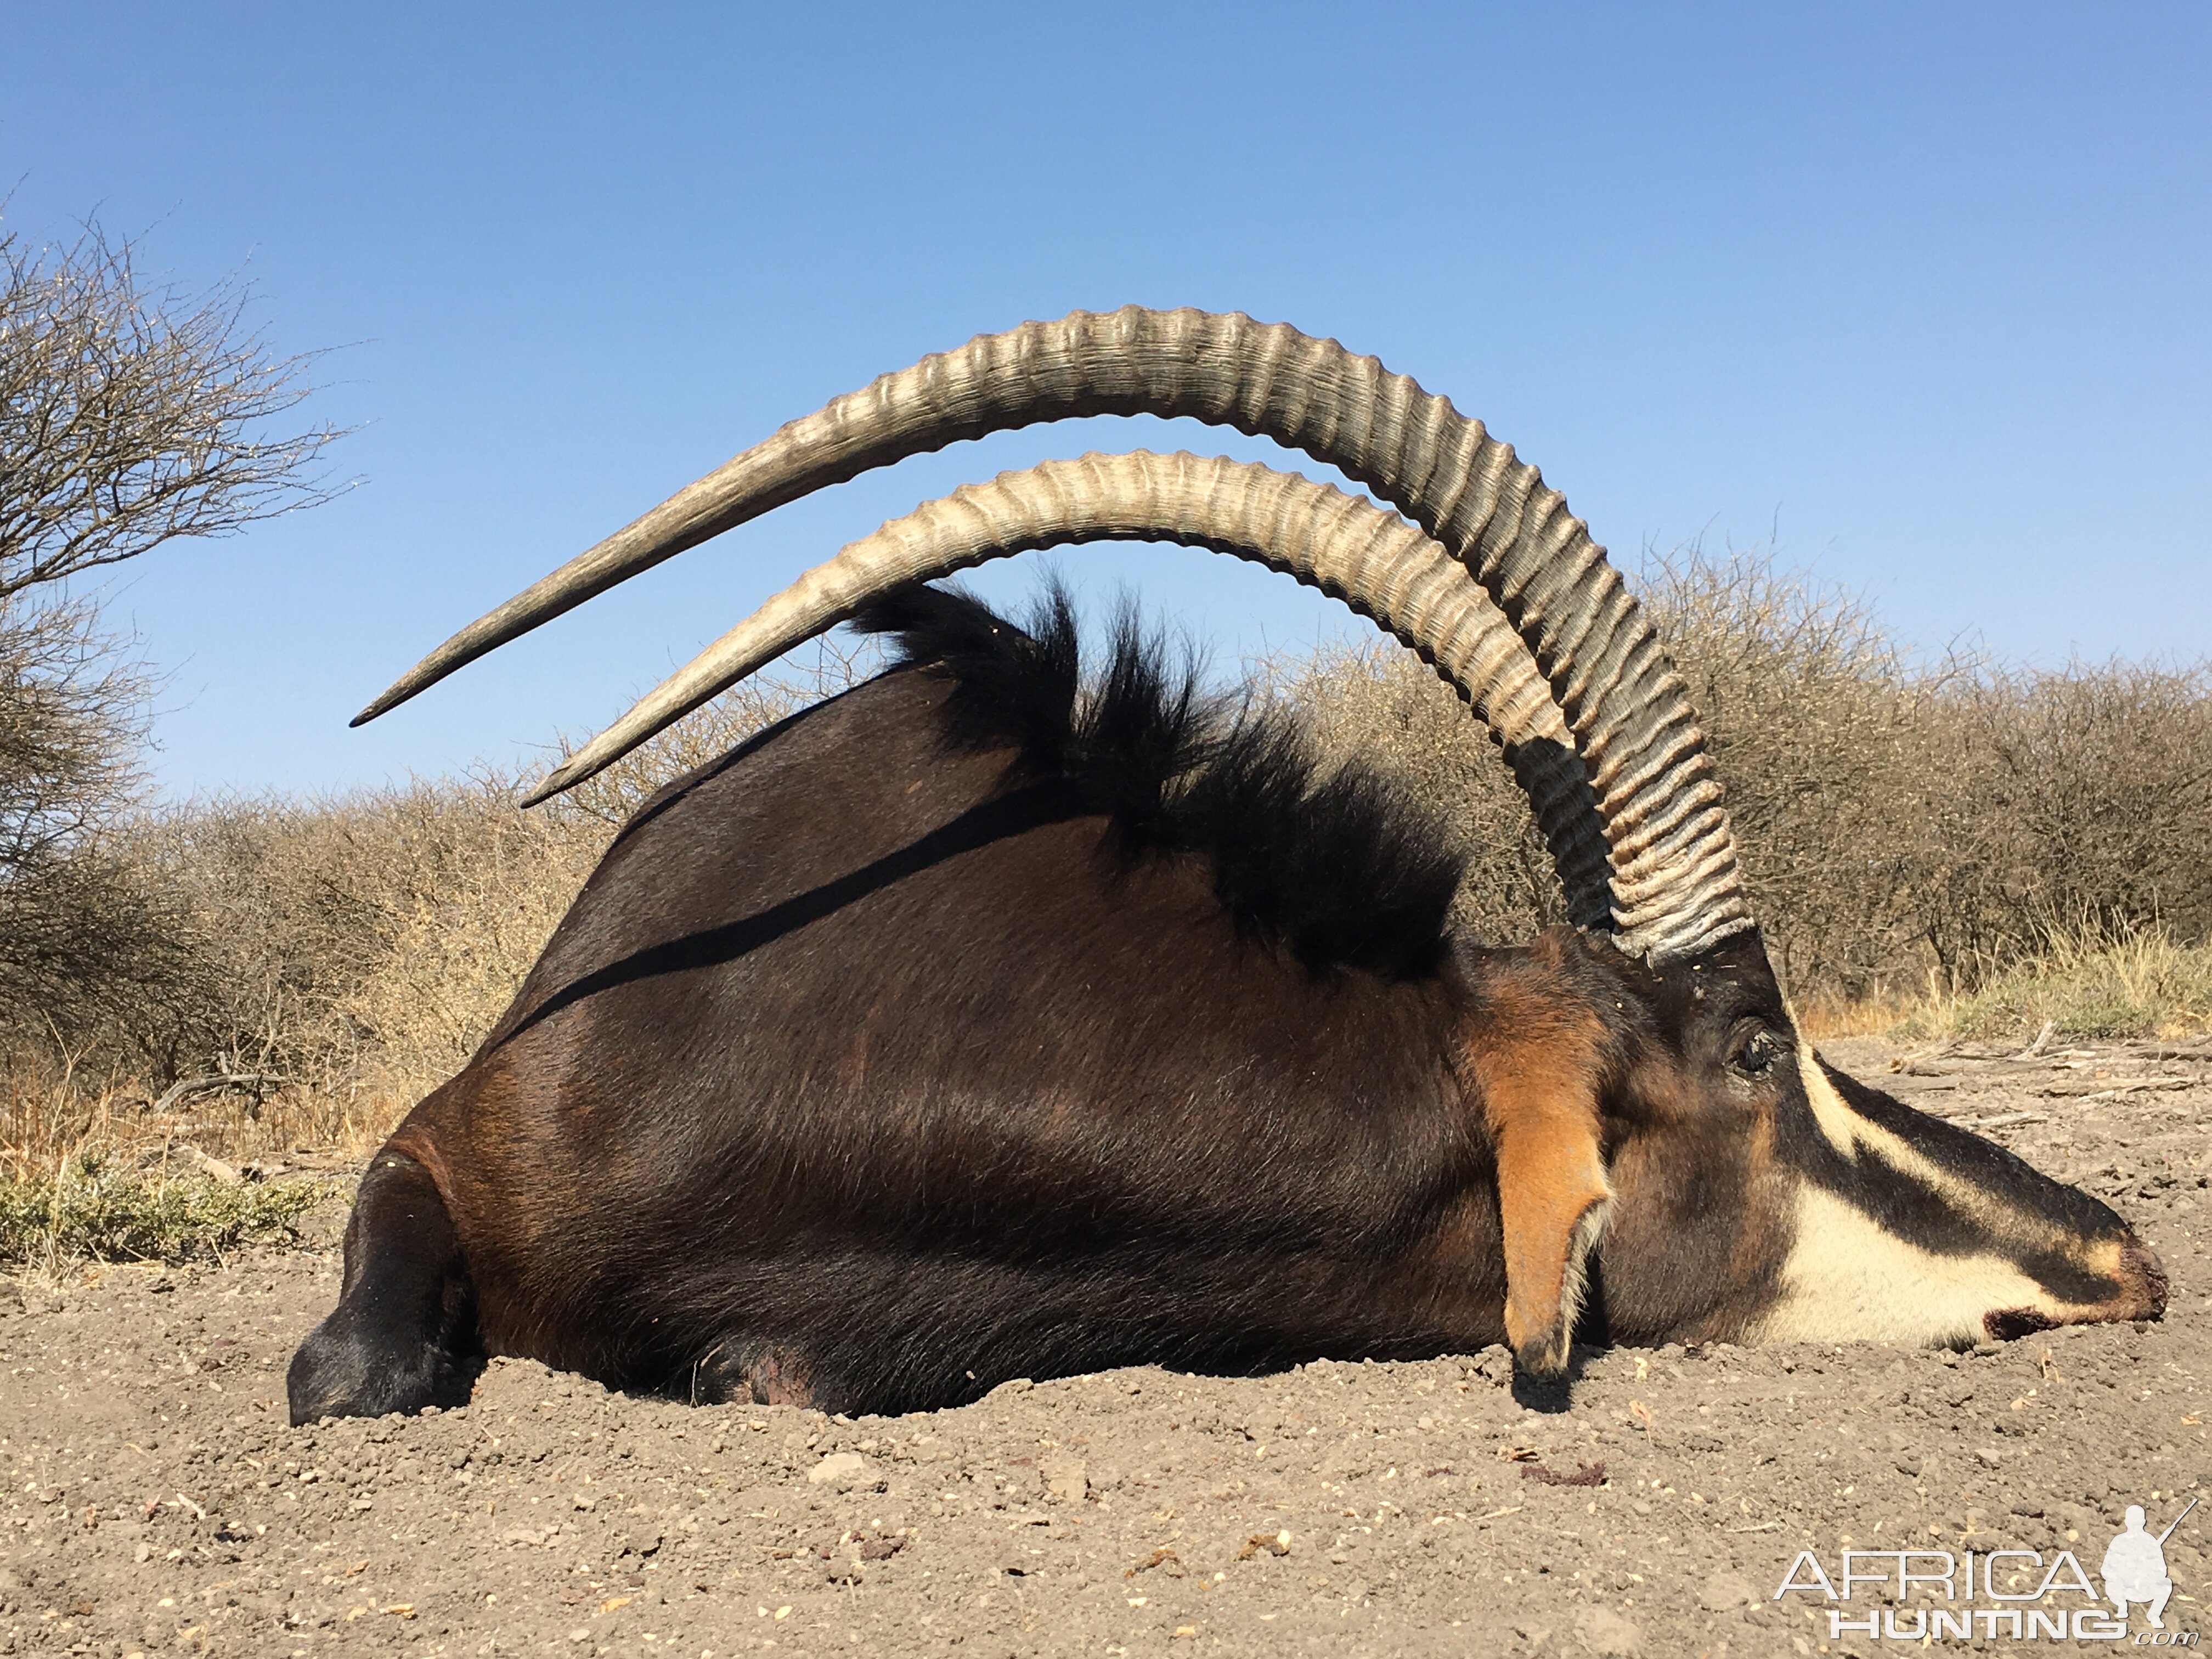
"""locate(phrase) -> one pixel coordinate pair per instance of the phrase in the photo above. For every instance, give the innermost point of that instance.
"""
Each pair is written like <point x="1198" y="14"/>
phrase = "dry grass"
<point x="117" y="1216"/>
<point x="1824" y="1016"/>
<point x="47" y="1122"/>
<point x="88" y="1172"/>
<point x="2088" y="981"/>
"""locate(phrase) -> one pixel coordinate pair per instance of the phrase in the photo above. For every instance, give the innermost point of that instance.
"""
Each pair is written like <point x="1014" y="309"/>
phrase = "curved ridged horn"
<point x="1675" y="883"/>
<point x="1375" y="562"/>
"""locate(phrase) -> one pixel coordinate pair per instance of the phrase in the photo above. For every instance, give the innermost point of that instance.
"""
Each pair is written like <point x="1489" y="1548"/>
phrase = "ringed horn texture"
<point x="1676" y="887"/>
<point x="1375" y="562"/>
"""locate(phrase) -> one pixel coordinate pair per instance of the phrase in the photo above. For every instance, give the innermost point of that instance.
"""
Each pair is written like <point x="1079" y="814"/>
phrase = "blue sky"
<point x="1927" y="289"/>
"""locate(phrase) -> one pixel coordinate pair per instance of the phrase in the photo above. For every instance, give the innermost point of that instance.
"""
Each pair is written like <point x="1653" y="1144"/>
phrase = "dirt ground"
<point x="157" y="1503"/>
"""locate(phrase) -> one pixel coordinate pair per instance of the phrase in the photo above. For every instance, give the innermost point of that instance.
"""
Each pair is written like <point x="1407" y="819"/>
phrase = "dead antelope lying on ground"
<point x="972" y="1024"/>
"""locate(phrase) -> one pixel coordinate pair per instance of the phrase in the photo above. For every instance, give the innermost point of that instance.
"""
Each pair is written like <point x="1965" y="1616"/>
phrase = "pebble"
<point x="838" y="1469"/>
<point x="1724" y="1590"/>
<point x="1604" y="1631"/>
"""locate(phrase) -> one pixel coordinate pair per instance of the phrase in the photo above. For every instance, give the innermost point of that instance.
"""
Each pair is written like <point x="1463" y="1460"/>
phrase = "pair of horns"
<point x="1607" y="748"/>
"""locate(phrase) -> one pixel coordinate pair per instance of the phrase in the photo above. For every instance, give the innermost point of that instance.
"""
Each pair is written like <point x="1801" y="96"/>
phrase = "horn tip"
<point x="552" y="785"/>
<point x="386" y="701"/>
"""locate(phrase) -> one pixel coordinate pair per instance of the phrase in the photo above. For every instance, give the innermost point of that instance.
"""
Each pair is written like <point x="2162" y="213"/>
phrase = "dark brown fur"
<point x="931" y="1039"/>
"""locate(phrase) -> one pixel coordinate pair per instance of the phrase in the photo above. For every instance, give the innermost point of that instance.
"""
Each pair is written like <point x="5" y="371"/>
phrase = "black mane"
<point x="1340" y="867"/>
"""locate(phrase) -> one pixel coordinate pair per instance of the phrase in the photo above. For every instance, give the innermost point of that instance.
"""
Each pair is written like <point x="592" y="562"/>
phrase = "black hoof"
<point x="404" y="1334"/>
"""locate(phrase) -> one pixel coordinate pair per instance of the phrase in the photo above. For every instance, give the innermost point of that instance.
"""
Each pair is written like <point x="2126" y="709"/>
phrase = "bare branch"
<point x="250" y="1082"/>
<point x="130" y="416"/>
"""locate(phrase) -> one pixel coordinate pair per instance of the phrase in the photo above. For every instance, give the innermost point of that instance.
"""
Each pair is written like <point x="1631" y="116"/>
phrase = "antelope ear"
<point x="1540" y="1099"/>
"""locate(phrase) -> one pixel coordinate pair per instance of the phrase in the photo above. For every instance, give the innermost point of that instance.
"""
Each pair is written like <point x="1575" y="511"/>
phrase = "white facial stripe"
<point x="1839" y="1122"/>
<point x="1847" y="1132"/>
<point x="1847" y="1279"/>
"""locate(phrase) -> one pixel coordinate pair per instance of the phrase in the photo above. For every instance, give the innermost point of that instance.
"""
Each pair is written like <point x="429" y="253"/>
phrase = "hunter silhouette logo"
<point x="2135" y="1566"/>
<point x="1997" y="1593"/>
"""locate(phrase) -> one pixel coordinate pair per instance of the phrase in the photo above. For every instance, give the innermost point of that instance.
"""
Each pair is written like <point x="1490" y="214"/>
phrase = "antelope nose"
<point x="2138" y="1292"/>
<point x="2144" y="1276"/>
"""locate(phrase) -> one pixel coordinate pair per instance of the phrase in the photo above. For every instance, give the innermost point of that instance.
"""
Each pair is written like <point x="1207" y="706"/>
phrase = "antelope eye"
<point x="1756" y="1053"/>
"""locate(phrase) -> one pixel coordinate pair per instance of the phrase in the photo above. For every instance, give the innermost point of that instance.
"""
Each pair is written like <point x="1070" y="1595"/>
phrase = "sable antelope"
<point x="972" y="1024"/>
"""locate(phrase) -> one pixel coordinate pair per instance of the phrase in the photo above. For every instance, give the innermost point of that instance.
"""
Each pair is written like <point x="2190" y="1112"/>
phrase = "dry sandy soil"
<point x="157" y="1504"/>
